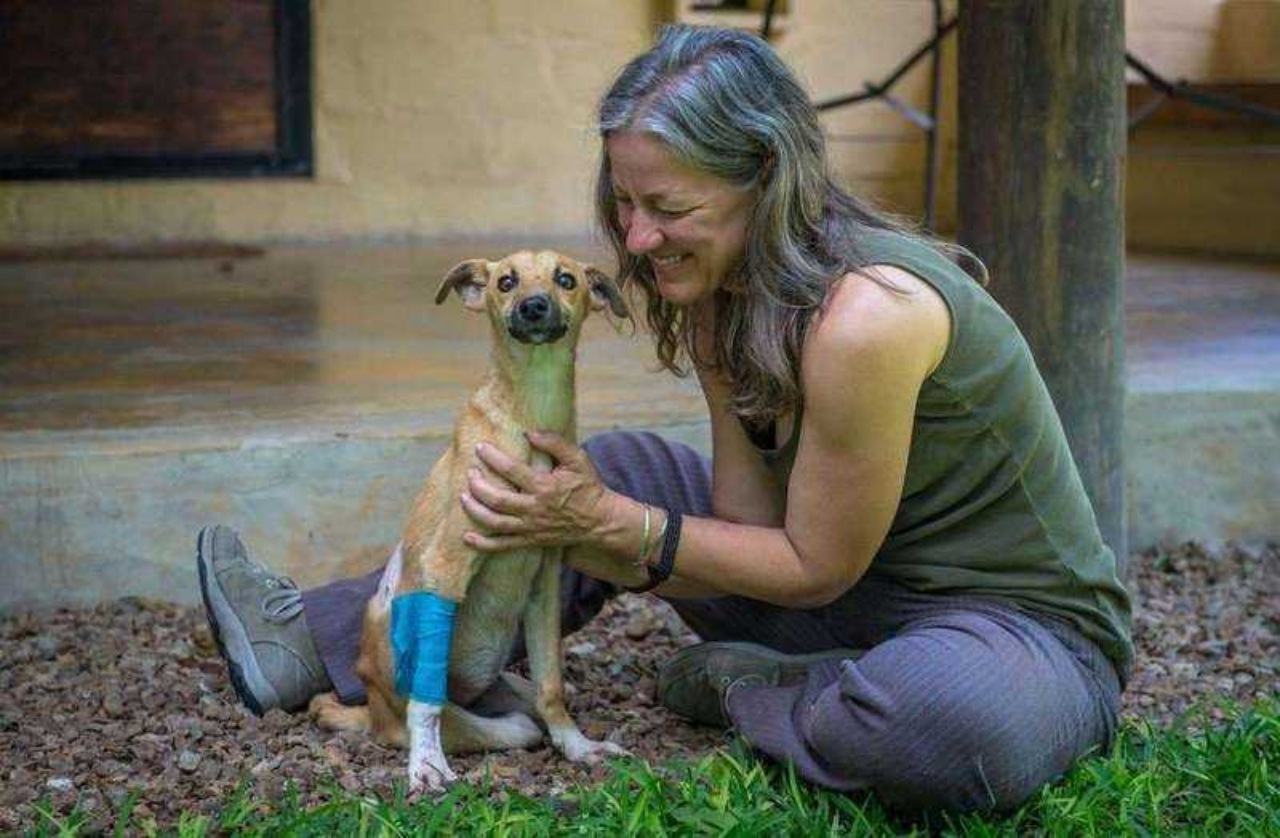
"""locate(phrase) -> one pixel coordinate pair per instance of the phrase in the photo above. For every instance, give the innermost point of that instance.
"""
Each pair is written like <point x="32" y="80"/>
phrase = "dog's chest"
<point x="501" y="587"/>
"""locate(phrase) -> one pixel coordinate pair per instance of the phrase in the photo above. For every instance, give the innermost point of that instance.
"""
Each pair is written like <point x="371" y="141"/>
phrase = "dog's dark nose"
<point x="534" y="309"/>
<point x="537" y="319"/>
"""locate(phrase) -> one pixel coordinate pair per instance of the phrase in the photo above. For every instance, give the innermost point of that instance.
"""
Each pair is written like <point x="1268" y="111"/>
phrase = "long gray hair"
<point x="724" y="103"/>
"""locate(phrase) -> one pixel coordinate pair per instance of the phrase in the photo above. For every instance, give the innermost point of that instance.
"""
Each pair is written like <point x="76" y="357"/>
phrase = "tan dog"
<point x="536" y="303"/>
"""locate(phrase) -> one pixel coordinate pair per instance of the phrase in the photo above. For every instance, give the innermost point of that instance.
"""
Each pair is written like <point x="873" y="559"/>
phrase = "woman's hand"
<point x="567" y="505"/>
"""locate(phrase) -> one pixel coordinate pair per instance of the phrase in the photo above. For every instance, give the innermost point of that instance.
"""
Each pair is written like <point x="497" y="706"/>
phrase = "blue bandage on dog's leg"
<point x="421" y="634"/>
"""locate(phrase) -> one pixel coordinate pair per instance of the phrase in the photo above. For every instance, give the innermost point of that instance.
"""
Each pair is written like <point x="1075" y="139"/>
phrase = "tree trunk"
<point x="1042" y="144"/>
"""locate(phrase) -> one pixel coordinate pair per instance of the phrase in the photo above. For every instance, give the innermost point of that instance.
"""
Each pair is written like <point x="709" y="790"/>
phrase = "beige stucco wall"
<point x="836" y="47"/>
<point x="453" y="116"/>
<point x="1206" y="40"/>
<point x="1205" y="188"/>
<point x="474" y="117"/>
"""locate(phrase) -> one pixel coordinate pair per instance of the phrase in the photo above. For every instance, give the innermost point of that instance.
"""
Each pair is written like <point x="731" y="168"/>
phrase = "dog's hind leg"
<point x="465" y="732"/>
<point x="504" y="717"/>
<point x="511" y="693"/>
<point x="331" y="714"/>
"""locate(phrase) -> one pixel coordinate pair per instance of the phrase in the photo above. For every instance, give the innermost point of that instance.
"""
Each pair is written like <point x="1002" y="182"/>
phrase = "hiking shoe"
<point x="698" y="678"/>
<point x="256" y="618"/>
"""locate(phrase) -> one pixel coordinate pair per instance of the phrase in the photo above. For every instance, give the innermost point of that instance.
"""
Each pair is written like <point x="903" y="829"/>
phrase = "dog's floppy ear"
<point x="604" y="291"/>
<point x="468" y="279"/>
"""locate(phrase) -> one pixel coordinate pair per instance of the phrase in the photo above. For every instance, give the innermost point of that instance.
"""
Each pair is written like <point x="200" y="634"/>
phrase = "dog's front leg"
<point x="542" y="637"/>
<point x="428" y="769"/>
<point x="421" y="635"/>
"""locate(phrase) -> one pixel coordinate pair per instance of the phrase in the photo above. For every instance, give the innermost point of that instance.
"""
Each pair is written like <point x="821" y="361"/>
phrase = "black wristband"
<point x="661" y="572"/>
<point x="670" y="541"/>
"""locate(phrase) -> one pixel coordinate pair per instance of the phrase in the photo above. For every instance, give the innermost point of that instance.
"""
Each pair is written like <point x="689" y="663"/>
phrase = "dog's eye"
<point x="566" y="281"/>
<point x="506" y="283"/>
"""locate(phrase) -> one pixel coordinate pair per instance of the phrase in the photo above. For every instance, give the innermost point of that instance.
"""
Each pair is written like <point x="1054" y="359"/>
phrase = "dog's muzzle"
<point x="536" y="319"/>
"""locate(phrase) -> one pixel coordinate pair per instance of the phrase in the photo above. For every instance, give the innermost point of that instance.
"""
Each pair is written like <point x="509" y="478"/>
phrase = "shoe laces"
<point x="283" y="600"/>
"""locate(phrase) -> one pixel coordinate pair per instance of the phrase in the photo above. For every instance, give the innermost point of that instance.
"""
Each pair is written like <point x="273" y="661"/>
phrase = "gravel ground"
<point x="131" y="697"/>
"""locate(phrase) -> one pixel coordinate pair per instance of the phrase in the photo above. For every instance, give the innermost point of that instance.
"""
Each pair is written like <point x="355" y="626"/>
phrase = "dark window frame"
<point x="293" y="156"/>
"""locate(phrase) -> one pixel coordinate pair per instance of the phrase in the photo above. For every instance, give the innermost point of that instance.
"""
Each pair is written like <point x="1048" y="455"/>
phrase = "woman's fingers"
<point x="516" y="506"/>
<point x="517" y="473"/>
<point x="497" y="497"/>
<point x="561" y="450"/>
<point x="489" y="518"/>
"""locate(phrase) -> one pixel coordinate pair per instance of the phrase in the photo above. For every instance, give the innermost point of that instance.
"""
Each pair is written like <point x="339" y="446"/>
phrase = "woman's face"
<point x="692" y="226"/>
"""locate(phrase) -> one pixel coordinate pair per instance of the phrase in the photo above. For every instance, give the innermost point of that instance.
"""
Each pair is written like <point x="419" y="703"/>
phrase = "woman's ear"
<point x="604" y="291"/>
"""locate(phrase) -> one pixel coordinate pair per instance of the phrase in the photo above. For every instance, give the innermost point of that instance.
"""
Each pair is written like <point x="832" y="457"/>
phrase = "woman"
<point x="891" y="554"/>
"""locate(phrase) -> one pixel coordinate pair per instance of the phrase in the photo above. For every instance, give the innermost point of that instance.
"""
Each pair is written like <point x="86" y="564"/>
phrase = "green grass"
<point x="1193" y="779"/>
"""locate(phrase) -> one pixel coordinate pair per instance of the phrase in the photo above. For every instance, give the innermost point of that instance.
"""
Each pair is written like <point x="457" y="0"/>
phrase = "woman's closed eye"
<point x="672" y="212"/>
<point x="668" y="211"/>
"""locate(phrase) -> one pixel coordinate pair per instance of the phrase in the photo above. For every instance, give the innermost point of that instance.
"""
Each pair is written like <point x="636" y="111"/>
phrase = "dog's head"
<point x="535" y="298"/>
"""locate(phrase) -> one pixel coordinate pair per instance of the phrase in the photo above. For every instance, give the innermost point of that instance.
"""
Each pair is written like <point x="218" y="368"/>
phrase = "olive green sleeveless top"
<point x="992" y="504"/>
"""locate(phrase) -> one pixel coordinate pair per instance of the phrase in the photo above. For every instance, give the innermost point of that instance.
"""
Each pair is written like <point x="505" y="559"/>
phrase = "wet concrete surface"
<point x="328" y="335"/>
<point x="346" y="334"/>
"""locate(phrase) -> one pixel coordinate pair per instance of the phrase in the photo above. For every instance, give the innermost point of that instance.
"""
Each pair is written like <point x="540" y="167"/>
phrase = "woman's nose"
<point x="643" y="235"/>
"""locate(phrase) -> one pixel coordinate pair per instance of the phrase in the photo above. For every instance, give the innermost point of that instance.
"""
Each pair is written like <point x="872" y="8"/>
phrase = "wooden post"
<point x="1041" y="180"/>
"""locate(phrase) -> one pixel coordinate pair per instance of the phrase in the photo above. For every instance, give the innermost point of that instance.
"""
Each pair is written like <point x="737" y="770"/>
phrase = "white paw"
<point x="429" y="771"/>
<point x="430" y="778"/>
<point x="578" y="748"/>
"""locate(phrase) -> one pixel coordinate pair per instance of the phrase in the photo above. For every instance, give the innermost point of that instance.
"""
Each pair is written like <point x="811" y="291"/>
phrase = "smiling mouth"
<point x="667" y="261"/>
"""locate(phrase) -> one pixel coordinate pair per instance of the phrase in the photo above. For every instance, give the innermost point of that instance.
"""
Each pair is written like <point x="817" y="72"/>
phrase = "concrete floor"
<point x="1197" y="325"/>
<point x="301" y="396"/>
